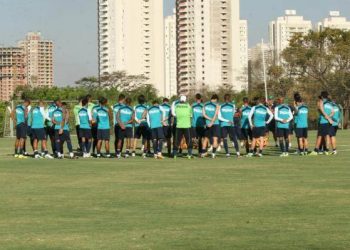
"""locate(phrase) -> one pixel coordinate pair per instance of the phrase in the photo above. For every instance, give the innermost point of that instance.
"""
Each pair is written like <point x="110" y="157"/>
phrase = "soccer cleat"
<point x="210" y="149"/>
<point x="71" y="155"/>
<point x="22" y="157"/>
<point x="144" y="155"/>
<point x="314" y="153"/>
<point x="16" y="155"/>
<point x="160" y="156"/>
<point x="326" y="153"/>
<point x="189" y="157"/>
<point x="259" y="155"/>
<point x="119" y="156"/>
<point x="228" y="155"/>
<point x="98" y="156"/>
<point x="334" y="152"/>
<point x="133" y="155"/>
<point x="126" y="156"/>
<point x="37" y="156"/>
<point x="108" y="156"/>
<point x="48" y="156"/>
<point x="250" y="155"/>
<point x="213" y="156"/>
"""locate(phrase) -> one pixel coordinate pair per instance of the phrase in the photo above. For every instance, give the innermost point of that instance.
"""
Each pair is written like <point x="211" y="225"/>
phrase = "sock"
<point x="214" y="150"/>
<point x="155" y="146"/>
<point x="118" y="152"/>
<point x="260" y="151"/>
<point x="160" y="146"/>
<point x="36" y="152"/>
<point x="46" y="152"/>
<point x="281" y="146"/>
<point x="287" y="145"/>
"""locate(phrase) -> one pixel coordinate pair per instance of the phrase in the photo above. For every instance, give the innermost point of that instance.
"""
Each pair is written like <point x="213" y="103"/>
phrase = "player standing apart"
<point x="211" y="112"/>
<point x="125" y="120"/>
<point x="183" y="115"/>
<point x="258" y="122"/>
<point x="283" y="117"/>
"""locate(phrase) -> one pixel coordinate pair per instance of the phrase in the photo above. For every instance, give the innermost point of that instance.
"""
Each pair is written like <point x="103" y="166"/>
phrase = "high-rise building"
<point x="208" y="44"/>
<point x="334" y="21"/>
<point x="243" y="55"/>
<point x="256" y="60"/>
<point x="170" y="55"/>
<point x="39" y="60"/>
<point x="284" y="28"/>
<point x="12" y="71"/>
<point x="131" y="39"/>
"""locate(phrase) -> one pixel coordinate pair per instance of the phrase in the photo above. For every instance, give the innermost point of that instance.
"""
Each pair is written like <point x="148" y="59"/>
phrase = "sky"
<point x="72" y="25"/>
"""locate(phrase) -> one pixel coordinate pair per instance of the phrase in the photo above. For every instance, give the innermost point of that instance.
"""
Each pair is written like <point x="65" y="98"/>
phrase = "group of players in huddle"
<point x="206" y="125"/>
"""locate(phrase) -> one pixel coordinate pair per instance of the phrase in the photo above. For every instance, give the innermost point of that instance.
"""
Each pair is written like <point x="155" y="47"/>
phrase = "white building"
<point x="284" y="28"/>
<point x="170" y="55"/>
<point x="208" y="44"/>
<point x="131" y="39"/>
<point x="256" y="52"/>
<point x="243" y="55"/>
<point x="334" y="21"/>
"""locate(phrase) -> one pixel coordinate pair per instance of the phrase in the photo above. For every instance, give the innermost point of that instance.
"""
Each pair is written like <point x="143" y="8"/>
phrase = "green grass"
<point x="269" y="203"/>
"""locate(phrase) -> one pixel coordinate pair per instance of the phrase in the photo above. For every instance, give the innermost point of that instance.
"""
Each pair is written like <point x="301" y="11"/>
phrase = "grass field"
<point x="269" y="203"/>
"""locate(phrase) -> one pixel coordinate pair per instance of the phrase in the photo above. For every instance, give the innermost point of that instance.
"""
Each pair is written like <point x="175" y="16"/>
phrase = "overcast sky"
<point x="72" y="25"/>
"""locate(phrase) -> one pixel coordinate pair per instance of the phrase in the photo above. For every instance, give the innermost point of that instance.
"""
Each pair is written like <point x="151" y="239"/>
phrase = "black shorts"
<point x="301" y="132"/>
<point x="227" y="131"/>
<point x="282" y="132"/>
<point x="157" y="134"/>
<point x="246" y="134"/>
<point x="103" y="134"/>
<point x="94" y="131"/>
<point x="117" y="131"/>
<point x="258" y="132"/>
<point x="323" y="129"/>
<point x="85" y="133"/>
<point x="213" y="131"/>
<point x="126" y="133"/>
<point x="50" y="131"/>
<point x="333" y="131"/>
<point x="272" y="126"/>
<point x="65" y="136"/>
<point x="29" y="131"/>
<point x="167" y="131"/>
<point x="197" y="132"/>
<point x="39" y="134"/>
<point x="143" y="131"/>
<point x="21" y="131"/>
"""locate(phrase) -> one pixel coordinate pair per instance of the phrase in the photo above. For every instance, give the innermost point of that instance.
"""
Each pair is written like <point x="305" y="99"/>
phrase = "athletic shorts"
<point x="103" y="134"/>
<point x="62" y="137"/>
<point x="282" y="132"/>
<point x="167" y="132"/>
<point x="127" y="133"/>
<point x="301" y="132"/>
<point x="333" y="131"/>
<point x="258" y="132"/>
<point x="94" y="131"/>
<point x="272" y="126"/>
<point x="39" y="134"/>
<point x="142" y="131"/>
<point x="197" y="132"/>
<point x="21" y="131"/>
<point x="246" y="134"/>
<point x="29" y="131"/>
<point x="323" y="129"/>
<point x="227" y="131"/>
<point x="117" y="131"/>
<point x="85" y="133"/>
<point x="50" y="131"/>
<point x="213" y="131"/>
<point x="157" y="133"/>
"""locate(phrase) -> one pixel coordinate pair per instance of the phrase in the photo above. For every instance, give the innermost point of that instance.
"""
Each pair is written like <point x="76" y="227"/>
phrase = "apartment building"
<point x="208" y="44"/>
<point x="334" y="21"/>
<point x="131" y="39"/>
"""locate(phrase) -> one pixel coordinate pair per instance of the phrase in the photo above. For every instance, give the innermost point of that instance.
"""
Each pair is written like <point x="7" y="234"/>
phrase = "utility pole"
<point x="264" y="69"/>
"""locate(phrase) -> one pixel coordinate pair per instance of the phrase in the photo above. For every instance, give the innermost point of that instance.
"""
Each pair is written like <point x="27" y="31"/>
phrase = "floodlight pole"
<point x="264" y="68"/>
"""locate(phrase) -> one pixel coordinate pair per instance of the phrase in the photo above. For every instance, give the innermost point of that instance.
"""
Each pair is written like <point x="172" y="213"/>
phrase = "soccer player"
<point x="258" y="121"/>
<point x="85" y="132"/>
<point x="283" y="117"/>
<point x="155" y="119"/>
<point x="167" y="123"/>
<point x="334" y="127"/>
<point x="326" y="112"/>
<point x="245" y="126"/>
<point x="60" y="118"/>
<point x="125" y="120"/>
<point x="211" y="112"/>
<point x="77" y="125"/>
<point x="19" y="116"/>
<point x="226" y="116"/>
<point x="102" y="117"/>
<point x="117" y="129"/>
<point x="301" y="125"/>
<point x="29" y="132"/>
<point x="50" y="127"/>
<point x="198" y="123"/>
<point x="271" y="104"/>
<point x="94" y="127"/>
<point x="141" y="126"/>
<point x="183" y="114"/>
<point x="38" y="117"/>
<point x="173" y="122"/>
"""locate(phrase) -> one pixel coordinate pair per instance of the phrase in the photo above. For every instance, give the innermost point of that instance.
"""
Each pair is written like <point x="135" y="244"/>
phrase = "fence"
<point x="7" y="130"/>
